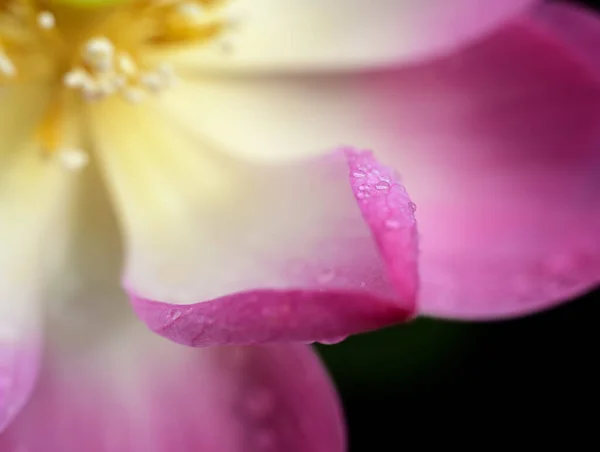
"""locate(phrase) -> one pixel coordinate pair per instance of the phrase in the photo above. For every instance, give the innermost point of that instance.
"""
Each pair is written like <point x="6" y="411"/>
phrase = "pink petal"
<point x="110" y="385"/>
<point x="319" y="275"/>
<point x="145" y="394"/>
<point x="504" y="141"/>
<point x="31" y="192"/>
<point x="498" y="145"/>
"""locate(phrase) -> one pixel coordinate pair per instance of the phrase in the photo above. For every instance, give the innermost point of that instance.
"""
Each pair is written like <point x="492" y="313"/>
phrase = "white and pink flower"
<point x="185" y="151"/>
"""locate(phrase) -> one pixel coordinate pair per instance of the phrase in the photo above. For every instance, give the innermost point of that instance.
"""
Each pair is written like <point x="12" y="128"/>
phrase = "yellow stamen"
<point x="49" y="130"/>
<point x="46" y="20"/>
<point x="99" y="49"/>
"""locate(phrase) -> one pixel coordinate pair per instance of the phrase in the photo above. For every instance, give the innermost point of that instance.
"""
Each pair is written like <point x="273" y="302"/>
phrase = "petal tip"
<point x="268" y="316"/>
<point x="390" y="213"/>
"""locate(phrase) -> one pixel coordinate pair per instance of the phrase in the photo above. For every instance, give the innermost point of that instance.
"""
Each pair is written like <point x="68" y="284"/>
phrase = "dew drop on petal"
<point x="326" y="276"/>
<point x="332" y="340"/>
<point x="412" y="206"/>
<point x="558" y="264"/>
<point x="172" y="316"/>
<point x="265" y="440"/>
<point x="392" y="224"/>
<point x="260" y="403"/>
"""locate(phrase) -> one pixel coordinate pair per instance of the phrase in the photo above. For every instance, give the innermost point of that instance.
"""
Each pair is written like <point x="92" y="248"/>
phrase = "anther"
<point x="191" y="11"/>
<point x="46" y="20"/>
<point x="76" y="78"/>
<point x="7" y="68"/>
<point x="99" y="53"/>
<point x="73" y="159"/>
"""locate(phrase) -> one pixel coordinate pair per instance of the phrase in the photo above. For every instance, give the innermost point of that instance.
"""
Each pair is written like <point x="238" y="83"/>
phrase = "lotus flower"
<point x="136" y="129"/>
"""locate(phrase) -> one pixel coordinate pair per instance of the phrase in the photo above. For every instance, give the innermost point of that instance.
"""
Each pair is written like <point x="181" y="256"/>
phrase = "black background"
<point x="449" y="383"/>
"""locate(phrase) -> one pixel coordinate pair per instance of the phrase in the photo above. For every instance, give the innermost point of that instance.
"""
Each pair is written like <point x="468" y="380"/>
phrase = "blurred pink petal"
<point x="299" y="265"/>
<point x="110" y="385"/>
<point x="145" y="394"/>
<point x="511" y="225"/>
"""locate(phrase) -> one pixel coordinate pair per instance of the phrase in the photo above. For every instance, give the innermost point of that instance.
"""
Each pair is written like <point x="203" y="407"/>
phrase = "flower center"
<point x="100" y="51"/>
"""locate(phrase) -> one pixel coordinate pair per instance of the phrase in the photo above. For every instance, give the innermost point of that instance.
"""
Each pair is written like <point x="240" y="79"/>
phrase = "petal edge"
<point x="324" y="311"/>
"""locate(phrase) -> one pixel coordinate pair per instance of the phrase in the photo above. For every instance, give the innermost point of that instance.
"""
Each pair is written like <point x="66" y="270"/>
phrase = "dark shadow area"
<point x="430" y="377"/>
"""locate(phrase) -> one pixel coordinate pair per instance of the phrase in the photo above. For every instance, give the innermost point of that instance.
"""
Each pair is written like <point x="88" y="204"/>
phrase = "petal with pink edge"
<point x="511" y="225"/>
<point x="306" y="35"/>
<point x="499" y="146"/>
<point x="110" y="385"/>
<point x="144" y="393"/>
<point x="30" y="191"/>
<point x="220" y="252"/>
<point x="348" y="294"/>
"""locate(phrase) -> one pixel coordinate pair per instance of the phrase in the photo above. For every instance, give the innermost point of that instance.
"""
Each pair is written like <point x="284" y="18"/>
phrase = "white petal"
<point x="110" y="385"/>
<point x="266" y="120"/>
<point x="199" y="226"/>
<point x="156" y="176"/>
<point x="31" y="189"/>
<point x="85" y="300"/>
<point x="335" y="34"/>
<point x="274" y="120"/>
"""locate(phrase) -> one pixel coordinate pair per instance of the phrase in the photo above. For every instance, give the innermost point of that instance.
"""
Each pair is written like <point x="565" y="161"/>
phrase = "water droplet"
<point x="363" y="187"/>
<point x="265" y="440"/>
<point x="358" y="174"/>
<point x="326" y="276"/>
<point x="392" y="224"/>
<point x="173" y="315"/>
<point x="332" y="340"/>
<point x="383" y="185"/>
<point x="561" y="270"/>
<point x="412" y="206"/>
<point x="260" y="403"/>
<point x="559" y="264"/>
